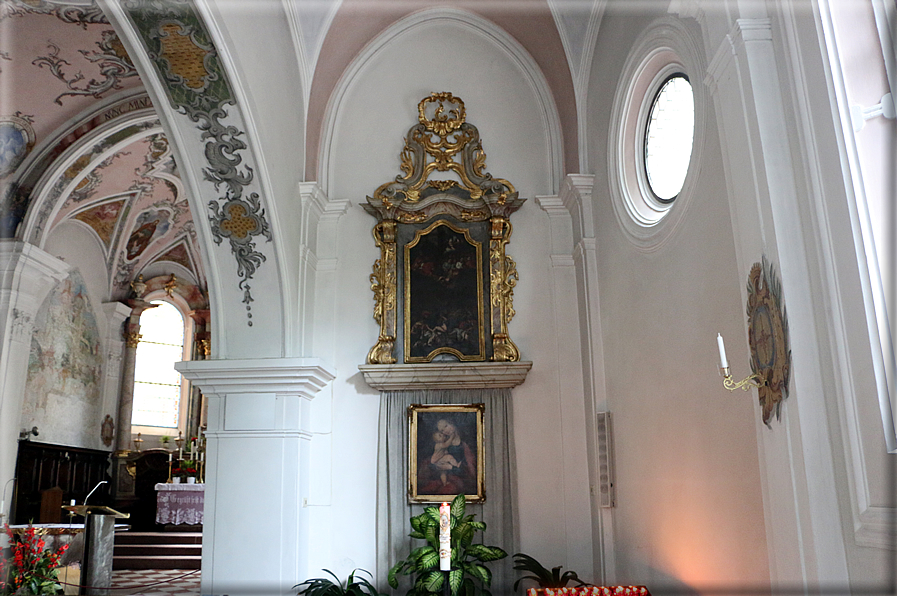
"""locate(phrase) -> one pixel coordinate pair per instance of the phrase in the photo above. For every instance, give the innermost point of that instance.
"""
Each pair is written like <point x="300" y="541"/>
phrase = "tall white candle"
<point x="445" y="538"/>
<point x="723" y="363"/>
<point x="169" y="457"/>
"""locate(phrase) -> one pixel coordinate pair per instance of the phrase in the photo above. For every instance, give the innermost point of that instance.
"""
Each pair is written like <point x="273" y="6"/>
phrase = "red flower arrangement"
<point x="31" y="570"/>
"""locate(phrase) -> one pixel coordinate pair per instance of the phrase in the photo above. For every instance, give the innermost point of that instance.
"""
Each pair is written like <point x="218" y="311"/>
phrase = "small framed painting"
<point x="445" y="453"/>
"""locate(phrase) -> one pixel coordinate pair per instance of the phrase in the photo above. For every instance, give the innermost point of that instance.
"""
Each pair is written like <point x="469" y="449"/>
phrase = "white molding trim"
<point x="453" y="16"/>
<point x="445" y="375"/>
<point x="284" y="376"/>
<point x="873" y="526"/>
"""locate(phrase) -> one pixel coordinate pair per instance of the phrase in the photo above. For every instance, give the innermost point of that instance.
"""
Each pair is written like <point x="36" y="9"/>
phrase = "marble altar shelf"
<point x="445" y="375"/>
<point x="180" y="503"/>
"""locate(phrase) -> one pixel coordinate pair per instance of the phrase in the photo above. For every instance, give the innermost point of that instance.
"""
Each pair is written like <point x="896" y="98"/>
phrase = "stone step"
<point x="166" y="550"/>
<point x="156" y="562"/>
<point x="158" y="537"/>
<point x="157" y="550"/>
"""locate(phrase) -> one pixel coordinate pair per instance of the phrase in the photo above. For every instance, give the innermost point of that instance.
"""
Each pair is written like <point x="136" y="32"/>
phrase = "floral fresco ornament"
<point x="768" y="338"/>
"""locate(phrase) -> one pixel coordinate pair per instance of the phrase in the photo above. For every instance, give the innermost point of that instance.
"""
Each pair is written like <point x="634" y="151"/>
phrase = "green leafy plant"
<point x="323" y="586"/>
<point x="31" y="569"/>
<point x="542" y="576"/>
<point x="468" y="576"/>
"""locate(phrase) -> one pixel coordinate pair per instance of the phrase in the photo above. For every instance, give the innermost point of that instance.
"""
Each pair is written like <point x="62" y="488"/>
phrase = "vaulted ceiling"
<point x="81" y="146"/>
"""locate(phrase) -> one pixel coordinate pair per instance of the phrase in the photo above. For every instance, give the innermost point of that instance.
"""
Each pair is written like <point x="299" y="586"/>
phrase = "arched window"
<point x="157" y="385"/>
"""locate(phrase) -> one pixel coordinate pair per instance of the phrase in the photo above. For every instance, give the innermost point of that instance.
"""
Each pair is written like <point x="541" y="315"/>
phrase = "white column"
<point x="255" y="532"/>
<point x="27" y="274"/>
<point x="575" y="291"/>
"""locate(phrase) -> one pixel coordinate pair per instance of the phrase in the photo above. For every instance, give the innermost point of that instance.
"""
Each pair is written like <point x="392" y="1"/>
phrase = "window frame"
<point x="184" y="402"/>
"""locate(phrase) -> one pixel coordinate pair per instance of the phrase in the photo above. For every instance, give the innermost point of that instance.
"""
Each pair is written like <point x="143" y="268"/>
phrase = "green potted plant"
<point x="323" y="586"/>
<point x="542" y="576"/>
<point x="469" y="575"/>
<point x="164" y="440"/>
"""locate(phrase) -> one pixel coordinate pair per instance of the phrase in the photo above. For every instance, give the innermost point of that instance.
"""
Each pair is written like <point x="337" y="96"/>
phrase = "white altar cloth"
<point x="180" y="503"/>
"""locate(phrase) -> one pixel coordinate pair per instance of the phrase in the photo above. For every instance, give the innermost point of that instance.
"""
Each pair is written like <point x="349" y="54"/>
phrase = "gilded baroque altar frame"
<point x="444" y="284"/>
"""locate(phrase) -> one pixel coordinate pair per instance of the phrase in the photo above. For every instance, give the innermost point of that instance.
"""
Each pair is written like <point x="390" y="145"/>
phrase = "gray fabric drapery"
<point x="393" y="508"/>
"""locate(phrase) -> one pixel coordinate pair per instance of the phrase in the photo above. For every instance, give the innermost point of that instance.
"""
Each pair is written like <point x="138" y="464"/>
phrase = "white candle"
<point x="202" y="456"/>
<point x="2" y="507"/>
<point x="445" y="538"/>
<point x="180" y="454"/>
<point x="72" y="502"/>
<point x="723" y="363"/>
<point x="169" y="457"/>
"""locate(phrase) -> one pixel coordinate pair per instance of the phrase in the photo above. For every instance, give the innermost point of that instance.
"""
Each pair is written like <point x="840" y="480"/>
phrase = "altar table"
<point x="180" y="503"/>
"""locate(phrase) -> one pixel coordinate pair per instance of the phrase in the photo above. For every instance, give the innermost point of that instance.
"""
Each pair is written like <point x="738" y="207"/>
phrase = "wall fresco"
<point x="63" y="389"/>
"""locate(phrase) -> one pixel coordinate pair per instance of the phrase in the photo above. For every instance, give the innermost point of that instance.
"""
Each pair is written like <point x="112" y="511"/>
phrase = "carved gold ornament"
<point x="768" y="338"/>
<point x="132" y="339"/>
<point x="466" y="199"/>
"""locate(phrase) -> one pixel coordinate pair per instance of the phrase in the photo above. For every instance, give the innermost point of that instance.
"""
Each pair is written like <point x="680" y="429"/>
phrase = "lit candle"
<point x="723" y="363"/>
<point x="72" y="502"/>
<point x="445" y="538"/>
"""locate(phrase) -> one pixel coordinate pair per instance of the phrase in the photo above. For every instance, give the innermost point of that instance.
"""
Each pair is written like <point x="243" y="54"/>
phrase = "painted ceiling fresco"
<point x="64" y="65"/>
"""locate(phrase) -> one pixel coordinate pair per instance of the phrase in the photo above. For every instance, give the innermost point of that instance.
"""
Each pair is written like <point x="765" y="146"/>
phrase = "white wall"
<point x="378" y="107"/>
<point x="689" y="508"/>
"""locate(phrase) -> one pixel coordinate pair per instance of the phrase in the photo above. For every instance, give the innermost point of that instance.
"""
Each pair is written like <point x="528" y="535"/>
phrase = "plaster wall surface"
<point x="376" y="111"/>
<point x="689" y="508"/>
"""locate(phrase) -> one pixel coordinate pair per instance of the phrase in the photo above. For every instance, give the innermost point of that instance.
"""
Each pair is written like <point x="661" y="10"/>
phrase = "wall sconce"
<point x="752" y="381"/>
<point x="767" y="327"/>
<point x="25" y="434"/>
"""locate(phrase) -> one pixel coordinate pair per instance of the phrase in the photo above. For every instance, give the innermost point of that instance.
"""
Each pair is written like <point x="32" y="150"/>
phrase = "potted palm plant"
<point x="469" y="576"/>
<point x="324" y="586"/>
<point x="542" y="576"/>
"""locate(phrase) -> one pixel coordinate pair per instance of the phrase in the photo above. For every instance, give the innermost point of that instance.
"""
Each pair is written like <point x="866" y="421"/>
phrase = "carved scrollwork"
<point x="442" y="141"/>
<point x="383" y="284"/>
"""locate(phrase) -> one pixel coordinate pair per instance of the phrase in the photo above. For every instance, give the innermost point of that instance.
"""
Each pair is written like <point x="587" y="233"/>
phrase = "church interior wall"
<point x="375" y="111"/>
<point x="677" y="432"/>
<point x="706" y="494"/>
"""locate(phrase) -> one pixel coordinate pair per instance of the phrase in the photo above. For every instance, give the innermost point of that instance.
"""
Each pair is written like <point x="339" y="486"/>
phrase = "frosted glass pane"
<point x="162" y="324"/>
<point x="668" y="143"/>
<point x="156" y="405"/>
<point x="155" y="363"/>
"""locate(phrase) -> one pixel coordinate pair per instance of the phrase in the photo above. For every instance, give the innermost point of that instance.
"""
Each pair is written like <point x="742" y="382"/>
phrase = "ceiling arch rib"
<point x="180" y="63"/>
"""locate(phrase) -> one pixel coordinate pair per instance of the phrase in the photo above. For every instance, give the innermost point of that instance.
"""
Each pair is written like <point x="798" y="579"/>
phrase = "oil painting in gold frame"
<point x="446" y="454"/>
<point x="443" y="280"/>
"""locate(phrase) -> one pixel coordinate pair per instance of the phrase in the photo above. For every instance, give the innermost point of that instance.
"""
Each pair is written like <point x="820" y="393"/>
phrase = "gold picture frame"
<point x="446" y="453"/>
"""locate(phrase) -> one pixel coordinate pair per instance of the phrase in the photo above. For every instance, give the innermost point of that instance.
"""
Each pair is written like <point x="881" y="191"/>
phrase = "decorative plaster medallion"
<point x="768" y="338"/>
<point x="16" y="142"/>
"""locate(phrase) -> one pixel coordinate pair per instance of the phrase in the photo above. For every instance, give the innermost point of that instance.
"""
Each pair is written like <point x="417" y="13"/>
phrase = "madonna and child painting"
<point x="446" y="452"/>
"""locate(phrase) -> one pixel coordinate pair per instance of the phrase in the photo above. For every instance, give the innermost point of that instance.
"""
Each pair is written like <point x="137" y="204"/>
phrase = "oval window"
<point x="669" y="136"/>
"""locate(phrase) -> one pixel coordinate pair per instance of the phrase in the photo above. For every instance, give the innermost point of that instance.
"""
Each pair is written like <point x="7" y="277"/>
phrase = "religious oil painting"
<point x="446" y="453"/>
<point x="443" y="295"/>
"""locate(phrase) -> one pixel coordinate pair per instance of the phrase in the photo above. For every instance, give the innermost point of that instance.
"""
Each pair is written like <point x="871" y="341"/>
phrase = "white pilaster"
<point x="769" y="207"/>
<point x="27" y="274"/>
<point x="575" y="293"/>
<point x="257" y="470"/>
<point x="114" y="346"/>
